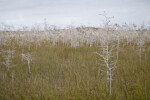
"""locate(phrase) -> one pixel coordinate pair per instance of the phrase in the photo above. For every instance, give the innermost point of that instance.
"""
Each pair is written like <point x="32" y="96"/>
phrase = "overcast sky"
<point x="73" y="12"/>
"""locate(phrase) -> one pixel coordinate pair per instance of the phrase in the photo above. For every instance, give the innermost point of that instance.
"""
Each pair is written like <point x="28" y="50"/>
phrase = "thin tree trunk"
<point x="110" y="79"/>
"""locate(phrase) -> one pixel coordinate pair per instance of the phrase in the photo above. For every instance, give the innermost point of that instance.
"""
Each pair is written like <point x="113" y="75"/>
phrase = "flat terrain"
<point x="62" y="72"/>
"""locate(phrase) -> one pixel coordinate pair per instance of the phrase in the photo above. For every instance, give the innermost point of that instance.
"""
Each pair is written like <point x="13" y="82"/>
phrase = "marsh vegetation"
<point x="84" y="63"/>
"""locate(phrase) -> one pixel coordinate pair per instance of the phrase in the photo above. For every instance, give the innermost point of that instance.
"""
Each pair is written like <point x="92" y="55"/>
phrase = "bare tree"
<point x="8" y="58"/>
<point x="140" y="42"/>
<point x="28" y="58"/>
<point x="107" y="52"/>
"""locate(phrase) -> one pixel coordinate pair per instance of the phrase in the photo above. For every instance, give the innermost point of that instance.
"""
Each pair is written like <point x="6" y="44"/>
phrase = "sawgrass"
<point x="62" y="72"/>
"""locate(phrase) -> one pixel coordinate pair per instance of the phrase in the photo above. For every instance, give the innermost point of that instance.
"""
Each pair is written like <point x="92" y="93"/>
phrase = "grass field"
<point x="63" y="72"/>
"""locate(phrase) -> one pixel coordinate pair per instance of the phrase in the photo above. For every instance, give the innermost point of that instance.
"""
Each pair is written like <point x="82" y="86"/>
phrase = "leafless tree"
<point x="28" y="58"/>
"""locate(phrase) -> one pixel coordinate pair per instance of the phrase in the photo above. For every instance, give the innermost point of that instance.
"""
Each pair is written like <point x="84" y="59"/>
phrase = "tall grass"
<point x="64" y="65"/>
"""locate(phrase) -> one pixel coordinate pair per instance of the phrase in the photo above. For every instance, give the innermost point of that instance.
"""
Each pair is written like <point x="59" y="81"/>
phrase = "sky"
<point x="64" y="13"/>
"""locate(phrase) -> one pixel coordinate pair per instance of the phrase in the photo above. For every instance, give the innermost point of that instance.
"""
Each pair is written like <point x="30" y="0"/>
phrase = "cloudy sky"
<point x="73" y="12"/>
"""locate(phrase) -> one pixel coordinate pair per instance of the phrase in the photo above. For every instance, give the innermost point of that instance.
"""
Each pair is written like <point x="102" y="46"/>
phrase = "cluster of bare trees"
<point x="76" y="36"/>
